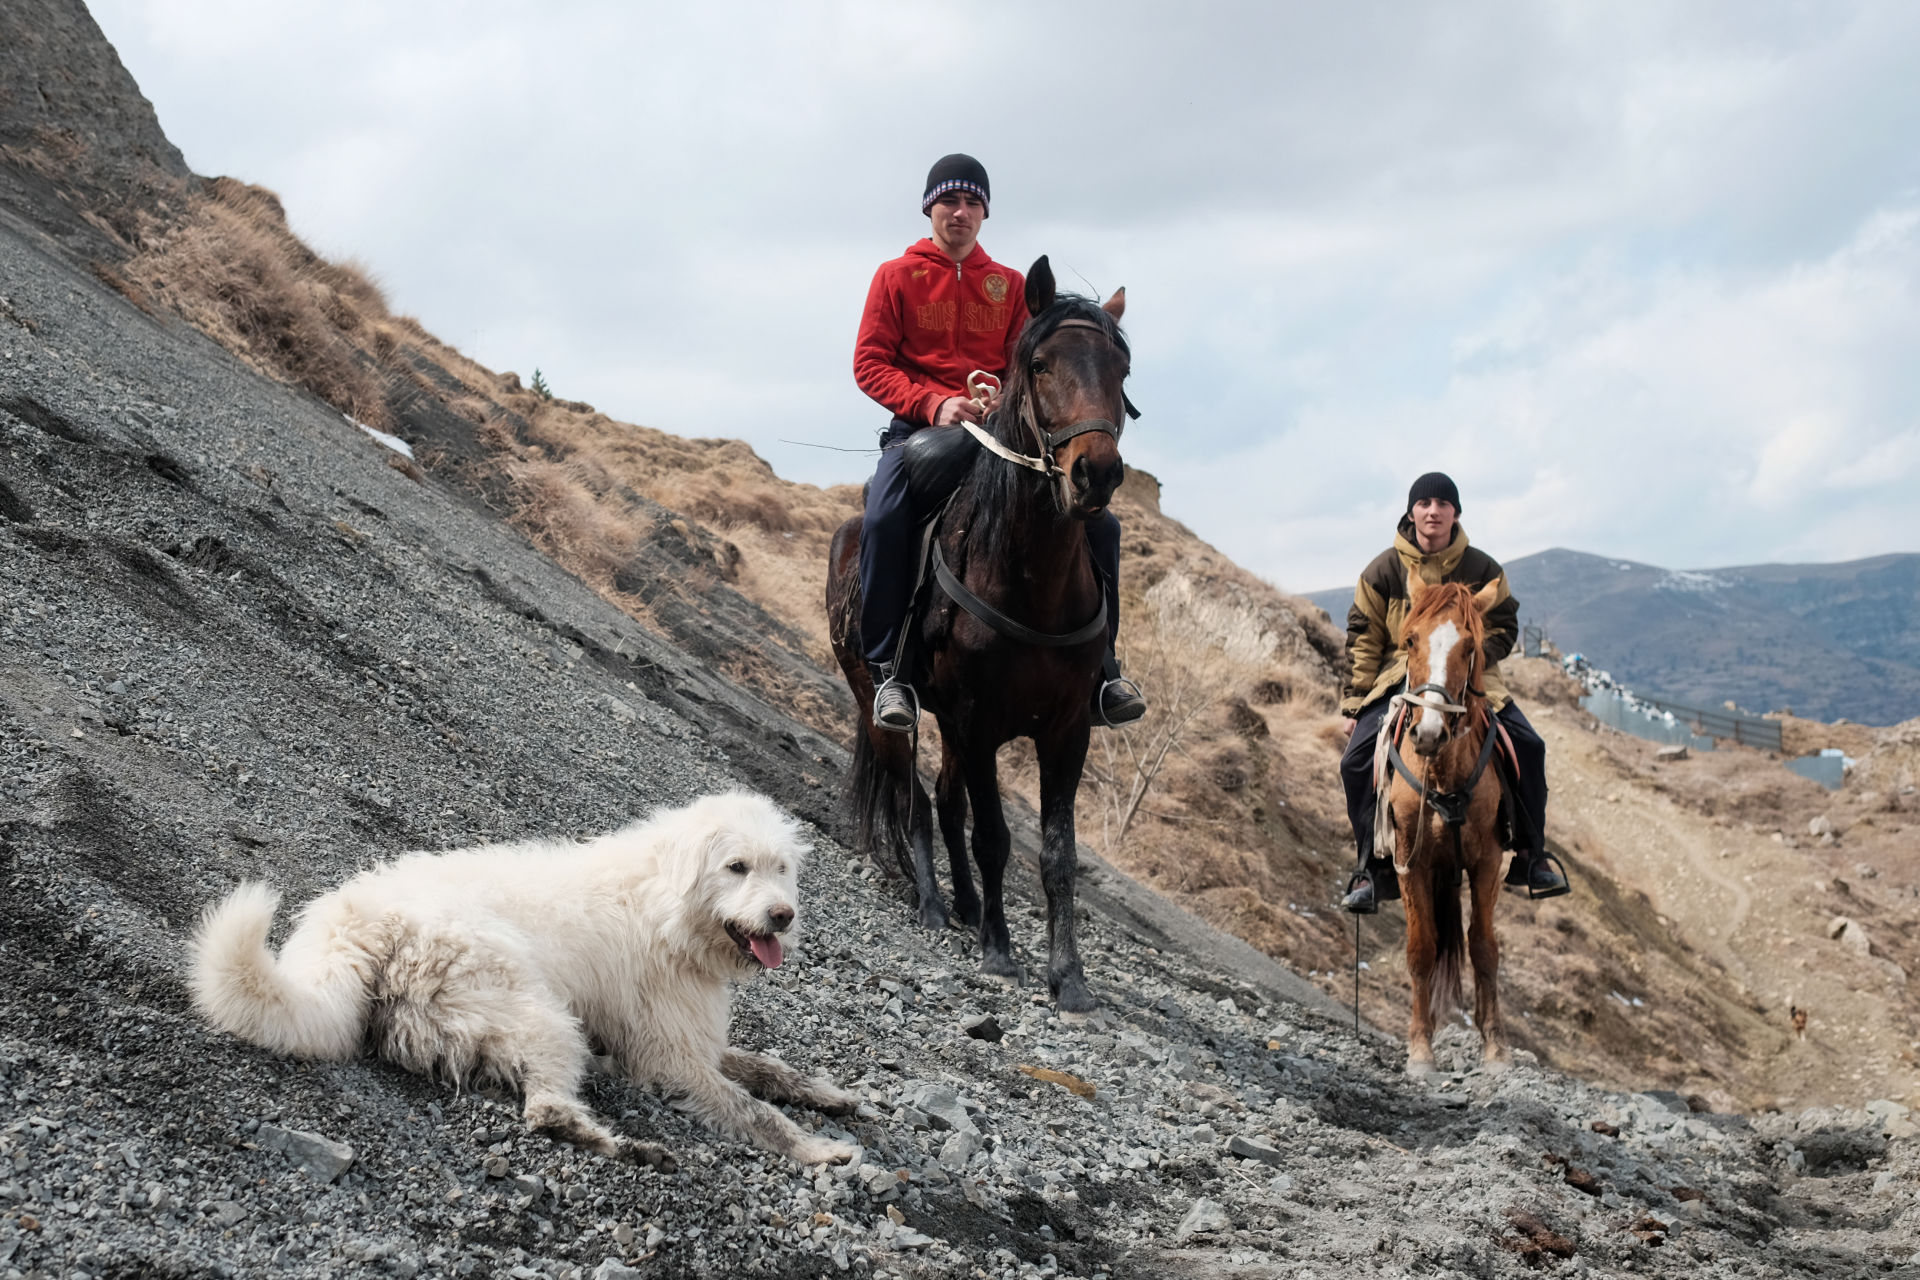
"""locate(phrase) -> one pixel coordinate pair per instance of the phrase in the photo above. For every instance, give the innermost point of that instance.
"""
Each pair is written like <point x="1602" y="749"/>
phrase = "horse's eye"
<point x="1037" y="368"/>
<point x="737" y="867"/>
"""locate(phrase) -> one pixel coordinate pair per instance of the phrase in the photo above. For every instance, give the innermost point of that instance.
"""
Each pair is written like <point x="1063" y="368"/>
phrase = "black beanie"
<point x="1434" y="484"/>
<point x="956" y="173"/>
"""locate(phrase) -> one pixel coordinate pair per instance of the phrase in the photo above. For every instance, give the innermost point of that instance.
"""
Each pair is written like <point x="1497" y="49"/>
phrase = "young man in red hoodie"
<point x="934" y="315"/>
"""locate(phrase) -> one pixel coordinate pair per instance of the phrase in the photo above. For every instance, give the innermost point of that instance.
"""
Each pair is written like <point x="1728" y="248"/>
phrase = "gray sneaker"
<point x="1117" y="702"/>
<point x="895" y="705"/>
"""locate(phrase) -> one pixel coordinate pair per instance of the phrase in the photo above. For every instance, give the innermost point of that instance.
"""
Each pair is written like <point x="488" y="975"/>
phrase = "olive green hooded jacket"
<point x="1376" y="625"/>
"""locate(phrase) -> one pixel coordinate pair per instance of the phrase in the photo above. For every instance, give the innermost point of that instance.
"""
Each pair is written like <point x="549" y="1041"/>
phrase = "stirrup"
<point x="1352" y="904"/>
<point x="891" y="681"/>
<point x="1100" y="702"/>
<point x="1565" y="885"/>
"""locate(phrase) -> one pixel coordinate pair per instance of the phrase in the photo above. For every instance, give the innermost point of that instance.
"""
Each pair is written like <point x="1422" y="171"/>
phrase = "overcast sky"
<point x="1644" y="278"/>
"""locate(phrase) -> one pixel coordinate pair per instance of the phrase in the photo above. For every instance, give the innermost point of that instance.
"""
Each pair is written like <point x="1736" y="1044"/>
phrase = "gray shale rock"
<point x="320" y="1157"/>
<point x="983" y="1026"/>
<point x="1253" y="1149"/>
<point x="1206" y="1217"/>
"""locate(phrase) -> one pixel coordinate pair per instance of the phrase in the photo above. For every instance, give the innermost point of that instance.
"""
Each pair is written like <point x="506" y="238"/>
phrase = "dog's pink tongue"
<point x="767" y="950"/>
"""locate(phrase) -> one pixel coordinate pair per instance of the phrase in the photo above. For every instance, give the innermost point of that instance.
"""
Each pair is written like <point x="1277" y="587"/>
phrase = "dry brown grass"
<point x="235" y="269"/>
<point x="565" y="508"/>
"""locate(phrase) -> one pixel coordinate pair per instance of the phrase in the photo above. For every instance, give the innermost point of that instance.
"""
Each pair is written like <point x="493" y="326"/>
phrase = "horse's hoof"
<point x="1496" y="1066"/>
<point x="933" y="915"/>
<point x="1072" y="1000"/>
<point x="1418" y="1069"/>
<point x="1001" y="969"/>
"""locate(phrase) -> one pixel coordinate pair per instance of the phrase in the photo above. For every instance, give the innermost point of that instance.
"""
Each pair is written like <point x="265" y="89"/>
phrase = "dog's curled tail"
<point x="311" y="1009"/>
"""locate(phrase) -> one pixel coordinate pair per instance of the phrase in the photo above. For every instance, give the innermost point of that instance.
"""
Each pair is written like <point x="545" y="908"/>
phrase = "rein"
<point x="1048" y="441"/>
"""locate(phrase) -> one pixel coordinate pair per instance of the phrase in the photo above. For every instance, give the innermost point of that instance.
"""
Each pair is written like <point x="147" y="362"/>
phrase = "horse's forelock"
<point x="1450" y="602"/>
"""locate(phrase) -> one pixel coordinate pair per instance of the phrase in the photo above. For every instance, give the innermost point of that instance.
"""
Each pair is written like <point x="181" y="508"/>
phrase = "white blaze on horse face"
<point x="1433" y="721"/>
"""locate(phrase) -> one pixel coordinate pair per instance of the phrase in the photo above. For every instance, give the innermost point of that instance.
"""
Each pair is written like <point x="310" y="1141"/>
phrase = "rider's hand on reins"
<point x="1352" y="724"/>
<point x="955" y="410"/>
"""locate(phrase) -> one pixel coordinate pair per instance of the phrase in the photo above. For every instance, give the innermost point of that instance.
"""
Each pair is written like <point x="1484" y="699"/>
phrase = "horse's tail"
<point x="1444" y="994"/>
<point x="876" y="797"/>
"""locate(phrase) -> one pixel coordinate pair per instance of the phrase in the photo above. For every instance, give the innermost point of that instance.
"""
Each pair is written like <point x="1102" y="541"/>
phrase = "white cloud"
<point x="1642" y="276"/>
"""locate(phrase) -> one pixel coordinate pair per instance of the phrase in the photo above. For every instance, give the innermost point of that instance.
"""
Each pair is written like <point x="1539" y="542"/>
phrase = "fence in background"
<point x="1748" y="731"/>
<point x="1609" y="707"/>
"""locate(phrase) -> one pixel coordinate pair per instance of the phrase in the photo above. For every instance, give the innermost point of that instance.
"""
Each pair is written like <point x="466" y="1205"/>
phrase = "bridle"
<point x="1450" y="805"/>
<point x="1046" y="441"/>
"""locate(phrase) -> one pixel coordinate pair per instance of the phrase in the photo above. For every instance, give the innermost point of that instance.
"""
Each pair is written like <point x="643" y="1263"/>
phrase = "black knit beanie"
<point x="1434" y="484"/>
<point x="956" y="173"/>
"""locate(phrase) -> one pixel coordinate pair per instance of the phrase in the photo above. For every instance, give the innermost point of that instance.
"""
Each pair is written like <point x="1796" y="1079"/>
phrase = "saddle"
<point x="937" y="460"/>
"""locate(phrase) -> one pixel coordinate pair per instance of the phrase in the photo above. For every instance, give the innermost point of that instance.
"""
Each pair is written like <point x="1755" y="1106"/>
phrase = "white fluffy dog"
<point x="506" y="962"/>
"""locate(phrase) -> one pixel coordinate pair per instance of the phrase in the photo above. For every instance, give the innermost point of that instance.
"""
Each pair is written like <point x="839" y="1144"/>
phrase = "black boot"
<point x="1540" y="874"/>
<point x="1116" y="699"/>
<point x="1369" y="886"/>
<point x="895" y="705"/>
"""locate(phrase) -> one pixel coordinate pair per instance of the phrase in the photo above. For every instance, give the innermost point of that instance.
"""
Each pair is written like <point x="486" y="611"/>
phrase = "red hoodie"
<point x="930" y="321"/>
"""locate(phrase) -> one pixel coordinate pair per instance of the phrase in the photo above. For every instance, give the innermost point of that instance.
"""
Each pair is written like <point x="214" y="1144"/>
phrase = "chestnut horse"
<point x="1445" y="814"/>
<point x="1021" y="657"/>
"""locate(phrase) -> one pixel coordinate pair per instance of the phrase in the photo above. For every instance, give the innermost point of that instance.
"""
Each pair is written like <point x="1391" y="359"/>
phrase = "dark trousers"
<point x="888" y="550"/>
<point x="1356" y="774"/>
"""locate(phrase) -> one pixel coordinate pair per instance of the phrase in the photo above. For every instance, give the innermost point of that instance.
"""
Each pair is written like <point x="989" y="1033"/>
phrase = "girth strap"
<point x="1000" y="622"/>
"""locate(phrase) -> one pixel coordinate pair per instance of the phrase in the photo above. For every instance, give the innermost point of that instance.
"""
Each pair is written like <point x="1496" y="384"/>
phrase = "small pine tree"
<point x="540" y="387"/>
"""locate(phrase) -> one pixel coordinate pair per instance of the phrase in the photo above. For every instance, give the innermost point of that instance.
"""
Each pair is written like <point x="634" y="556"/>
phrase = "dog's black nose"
<point x="780" y="918"/>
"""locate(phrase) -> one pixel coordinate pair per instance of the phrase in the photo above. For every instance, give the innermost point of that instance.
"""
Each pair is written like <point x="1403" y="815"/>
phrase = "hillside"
<point x="1829" y="641"/>
<point x="239" y="637"/>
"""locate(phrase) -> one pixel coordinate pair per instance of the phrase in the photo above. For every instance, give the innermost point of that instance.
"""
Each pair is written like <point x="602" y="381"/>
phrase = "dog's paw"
<point x="824" y="1151"/>
<point x="633" y="1151"/>
<point x="830" y="1099"/>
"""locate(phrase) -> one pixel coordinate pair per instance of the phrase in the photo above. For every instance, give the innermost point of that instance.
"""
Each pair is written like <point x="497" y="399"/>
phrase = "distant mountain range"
<point x="1830" y="641"/>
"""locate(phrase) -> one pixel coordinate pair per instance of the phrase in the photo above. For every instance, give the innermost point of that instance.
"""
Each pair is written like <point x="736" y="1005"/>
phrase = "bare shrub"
<point x="1196" y="651"/>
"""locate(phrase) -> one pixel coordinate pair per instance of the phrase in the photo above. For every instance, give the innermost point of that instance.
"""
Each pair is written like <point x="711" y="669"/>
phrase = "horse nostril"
<point x="780" y="918"/>
<point x="1080" y="475"/>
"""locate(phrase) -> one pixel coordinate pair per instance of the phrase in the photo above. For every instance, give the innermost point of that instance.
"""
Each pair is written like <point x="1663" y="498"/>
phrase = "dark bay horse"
<point x="1013" y="538"/>
<point x="1446" y="811"/>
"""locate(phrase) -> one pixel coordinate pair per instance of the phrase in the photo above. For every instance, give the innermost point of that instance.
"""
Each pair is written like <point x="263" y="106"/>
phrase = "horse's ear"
<point x="1116" y="306"/>
<point x="1039" y="286"/>
<point x="1416" y="587"/>
<point x="1486" y="597"/>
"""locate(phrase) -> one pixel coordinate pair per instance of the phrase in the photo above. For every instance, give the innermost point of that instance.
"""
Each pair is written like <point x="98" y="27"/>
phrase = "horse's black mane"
<point x="992" y="485"/>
